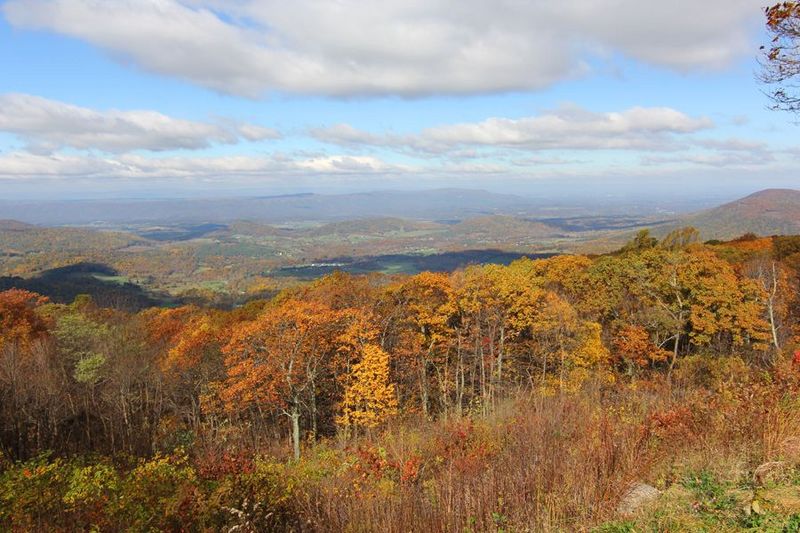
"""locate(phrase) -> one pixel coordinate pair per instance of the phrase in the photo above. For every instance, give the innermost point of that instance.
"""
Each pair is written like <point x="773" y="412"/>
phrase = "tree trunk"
<point x="771" y="306"/>
<point x="460" y="378"/>
<point x="500" y="351"/>
<point x="313" y="401"/>
<point x="295" y="418"/>
<point x="674" y="355"/>
<point x="773" y="326"/>
<point x="422" y="376"/>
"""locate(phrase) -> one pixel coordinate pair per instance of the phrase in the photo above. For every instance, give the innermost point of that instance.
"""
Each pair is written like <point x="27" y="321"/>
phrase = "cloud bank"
<point x="395" y="47"/>
<point x="21" y="165"/>
<point x="48" y="125"/>
<point x="567" y="128"/>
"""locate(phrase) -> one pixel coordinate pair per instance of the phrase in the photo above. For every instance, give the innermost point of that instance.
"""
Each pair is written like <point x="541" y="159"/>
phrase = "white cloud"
<point x="315" y="170"/>
<point x="719" y="153"/>
<point x="47" y="125"/>
<point x="403" y="47"/>
<point x="733" y="145"/>
<point x="574" y="128"/>
<point x="345" y="164"/>
<point x="347" y="135"/>
<point x="715" y="159"/>
<point x="26" y="165"/>
<point x="568" y="128"/>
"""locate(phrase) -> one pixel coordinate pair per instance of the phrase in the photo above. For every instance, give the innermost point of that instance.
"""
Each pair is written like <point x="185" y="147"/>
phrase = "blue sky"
<point x="203" y="97"/>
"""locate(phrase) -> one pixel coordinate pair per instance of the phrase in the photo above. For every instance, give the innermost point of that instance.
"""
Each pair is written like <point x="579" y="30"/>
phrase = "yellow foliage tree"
<point x="369" y="399"/>
<point x="590" y="351"/>
<point x="422" y="308"/>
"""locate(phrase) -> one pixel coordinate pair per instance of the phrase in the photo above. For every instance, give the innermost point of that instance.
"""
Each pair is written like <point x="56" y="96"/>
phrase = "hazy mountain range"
<point x="444" y="216"/>
<point x="435" y="204"/>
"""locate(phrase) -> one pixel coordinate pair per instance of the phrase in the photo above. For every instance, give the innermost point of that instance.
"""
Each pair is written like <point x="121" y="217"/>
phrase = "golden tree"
<point x="369" y="399"/>
<point x="701" y="301"/>
<point x="590" y="350"/>
<point x="421" y="309"/>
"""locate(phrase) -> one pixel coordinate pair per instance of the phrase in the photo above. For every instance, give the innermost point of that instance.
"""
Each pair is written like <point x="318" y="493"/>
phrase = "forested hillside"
<point x="768" y="212"/>
<point x="514" y="398"/>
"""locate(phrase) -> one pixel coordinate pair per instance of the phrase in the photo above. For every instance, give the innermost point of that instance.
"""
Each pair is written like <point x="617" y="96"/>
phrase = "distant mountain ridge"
<point x="425" y="205"/>
<point x="478" y="214"/>
<point x="444" y="205"/>
<point x="14" y="225"/>
<point x="767" y="212"/>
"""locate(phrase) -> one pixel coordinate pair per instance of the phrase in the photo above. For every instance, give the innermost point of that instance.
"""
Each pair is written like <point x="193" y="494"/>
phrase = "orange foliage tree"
<point x="20" y="323"/>
<point x="275" y="361"/>
<point x="634" y="347"/>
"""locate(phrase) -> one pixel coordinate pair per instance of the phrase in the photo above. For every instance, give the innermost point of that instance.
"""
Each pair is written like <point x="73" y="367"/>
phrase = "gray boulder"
<point x="638" y="494"/>
<point x="770" y="472"/>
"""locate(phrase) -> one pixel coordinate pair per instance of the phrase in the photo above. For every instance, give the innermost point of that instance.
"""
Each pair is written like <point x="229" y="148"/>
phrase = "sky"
<point x="144" y="98"/>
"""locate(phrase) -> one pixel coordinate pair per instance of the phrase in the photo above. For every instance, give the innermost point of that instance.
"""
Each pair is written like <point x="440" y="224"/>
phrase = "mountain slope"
<point x="14" y="225"/>
<point x="767" y="212"/>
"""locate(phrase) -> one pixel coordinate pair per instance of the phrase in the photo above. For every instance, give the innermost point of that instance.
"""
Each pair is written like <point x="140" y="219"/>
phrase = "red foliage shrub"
<point x="220" y="464"/>
<point x="675" y="423"/>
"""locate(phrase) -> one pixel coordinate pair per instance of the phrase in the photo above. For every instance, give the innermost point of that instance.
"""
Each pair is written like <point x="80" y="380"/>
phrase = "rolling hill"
<point x="767" y="212"/>
<point x="374" y="226"/>
<point x="14" y="225"/>
<point x="501" y="228"/>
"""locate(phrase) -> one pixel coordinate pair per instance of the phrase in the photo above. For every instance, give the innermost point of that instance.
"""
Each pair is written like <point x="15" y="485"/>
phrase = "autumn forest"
<point x="494" y="397"/>
<point x="399" y="267"/>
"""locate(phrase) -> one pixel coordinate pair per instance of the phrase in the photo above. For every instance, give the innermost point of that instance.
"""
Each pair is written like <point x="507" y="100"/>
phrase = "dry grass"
<point x="537" y="463"/>
<point x="552" y="463"/>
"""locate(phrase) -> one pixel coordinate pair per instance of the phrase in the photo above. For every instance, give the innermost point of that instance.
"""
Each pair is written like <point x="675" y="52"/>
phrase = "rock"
<point x="638" y="495"/>
<point x="755" y="507"/>
<point x="770" y="472"/>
